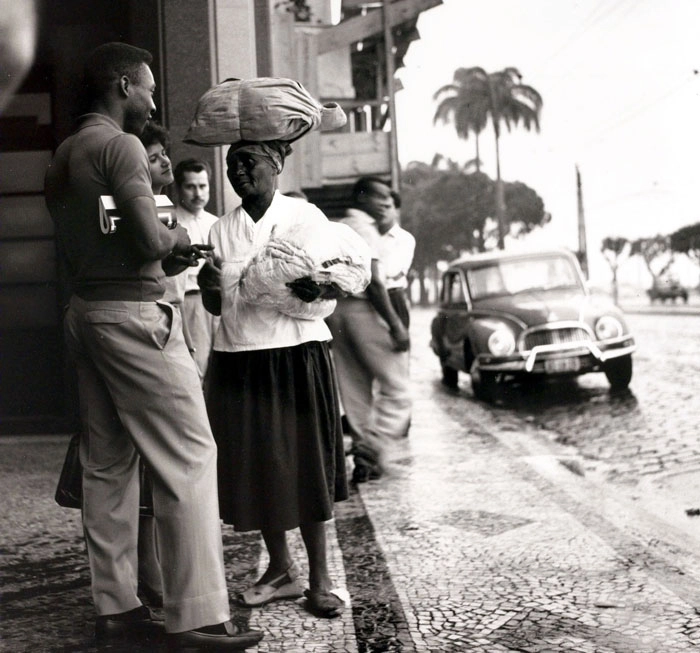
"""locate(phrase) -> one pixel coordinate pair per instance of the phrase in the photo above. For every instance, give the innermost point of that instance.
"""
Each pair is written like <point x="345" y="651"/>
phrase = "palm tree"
<point x="464" y="102"/>
<point x="442" y="162"/>
<point x="475" y="96"/>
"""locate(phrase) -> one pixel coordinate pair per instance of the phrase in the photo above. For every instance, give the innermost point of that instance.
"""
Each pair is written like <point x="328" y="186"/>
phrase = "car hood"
<point x="537" y="307"/>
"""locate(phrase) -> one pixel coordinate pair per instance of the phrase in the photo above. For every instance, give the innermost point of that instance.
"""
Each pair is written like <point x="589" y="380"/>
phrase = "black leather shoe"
<point x="225" y="637"/>
<point x="139" y="623"/>
<point x="363" y="473"/>
<point x="152" y="596"/>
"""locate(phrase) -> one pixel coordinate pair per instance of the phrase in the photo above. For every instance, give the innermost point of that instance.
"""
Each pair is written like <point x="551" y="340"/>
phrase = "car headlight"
<point x="608" y="327"/>
<point x="501" y="342"/>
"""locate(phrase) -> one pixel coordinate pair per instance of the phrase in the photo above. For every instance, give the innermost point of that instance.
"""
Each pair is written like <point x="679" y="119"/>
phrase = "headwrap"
<point x="274" y="152"/>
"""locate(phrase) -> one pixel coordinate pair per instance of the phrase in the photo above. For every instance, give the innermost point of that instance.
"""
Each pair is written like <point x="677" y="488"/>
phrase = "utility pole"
<point x="582" y="247"/>
<point x="389" y="63"/>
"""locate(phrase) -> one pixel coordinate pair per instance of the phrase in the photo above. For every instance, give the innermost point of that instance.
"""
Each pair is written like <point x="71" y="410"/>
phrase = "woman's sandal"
<point x="285" y="586"/>
<point x="324" y="604"/>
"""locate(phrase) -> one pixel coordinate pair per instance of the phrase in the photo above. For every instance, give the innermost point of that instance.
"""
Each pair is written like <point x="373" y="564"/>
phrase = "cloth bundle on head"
<point x="259" y="109"/>
<point x="334" y="254"/>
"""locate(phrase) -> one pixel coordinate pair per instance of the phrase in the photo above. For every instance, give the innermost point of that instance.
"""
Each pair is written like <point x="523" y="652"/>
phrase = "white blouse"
<point x="236" y="237"/>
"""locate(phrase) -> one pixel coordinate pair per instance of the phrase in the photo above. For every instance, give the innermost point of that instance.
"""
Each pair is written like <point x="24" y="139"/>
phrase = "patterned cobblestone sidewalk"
<point x="476" y="542"/>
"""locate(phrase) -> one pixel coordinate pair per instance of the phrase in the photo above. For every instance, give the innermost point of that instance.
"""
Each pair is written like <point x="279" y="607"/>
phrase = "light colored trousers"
<point x="201" y="326"/>
<point x="372" y="377"/>
<point x="140" y="394"/>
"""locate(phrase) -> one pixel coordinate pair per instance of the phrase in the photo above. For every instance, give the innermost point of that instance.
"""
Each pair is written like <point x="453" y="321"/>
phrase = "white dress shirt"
<point x="236" y="237"/>
<point x="396" y="249"/>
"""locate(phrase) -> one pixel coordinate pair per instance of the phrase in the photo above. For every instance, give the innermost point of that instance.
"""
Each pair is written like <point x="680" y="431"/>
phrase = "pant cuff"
<point x="196" y="612"/>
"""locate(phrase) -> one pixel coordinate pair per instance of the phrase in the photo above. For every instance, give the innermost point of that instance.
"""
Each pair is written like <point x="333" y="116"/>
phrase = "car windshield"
<point x="513" y="277"/>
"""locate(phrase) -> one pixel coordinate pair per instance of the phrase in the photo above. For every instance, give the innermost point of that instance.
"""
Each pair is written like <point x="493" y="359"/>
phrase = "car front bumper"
<point x="560" y="358"/>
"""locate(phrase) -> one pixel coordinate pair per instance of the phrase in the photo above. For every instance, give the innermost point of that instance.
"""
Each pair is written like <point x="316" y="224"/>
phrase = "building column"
<point x="203" y="42"/>
<point x="278" y="56"/>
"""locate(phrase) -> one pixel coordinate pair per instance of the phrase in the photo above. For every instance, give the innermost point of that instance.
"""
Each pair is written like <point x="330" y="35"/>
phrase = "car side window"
<point x="452" y="289"/>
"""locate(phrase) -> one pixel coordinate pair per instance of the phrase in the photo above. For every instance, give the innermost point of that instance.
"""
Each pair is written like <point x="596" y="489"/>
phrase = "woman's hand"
<point x="308" y="290"/>
<point x="209" y="277"/>
<point x="209" y="282"/>
<point x="305" y="289"/>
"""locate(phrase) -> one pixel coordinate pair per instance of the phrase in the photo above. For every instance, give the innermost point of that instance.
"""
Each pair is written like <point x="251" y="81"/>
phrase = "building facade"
<point x="337" y="49"/>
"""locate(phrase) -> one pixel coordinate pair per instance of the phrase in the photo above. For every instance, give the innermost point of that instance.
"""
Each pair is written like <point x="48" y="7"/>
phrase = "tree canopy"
<point x="614" y="247"/>
<point x="449" y="211"/>
<point x="652" y="250"/>
<point x="524" y="209"/>
<point x="686" y="240"/>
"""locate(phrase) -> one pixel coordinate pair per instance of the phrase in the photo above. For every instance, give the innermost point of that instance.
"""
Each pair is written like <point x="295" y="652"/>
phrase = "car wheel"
<point x="619" y="372"/>
<point x="483" y="383"/>
<point x="450" y="377"/>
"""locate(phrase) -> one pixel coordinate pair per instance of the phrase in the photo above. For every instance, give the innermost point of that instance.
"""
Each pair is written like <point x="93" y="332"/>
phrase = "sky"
<point x="620" y="82"/>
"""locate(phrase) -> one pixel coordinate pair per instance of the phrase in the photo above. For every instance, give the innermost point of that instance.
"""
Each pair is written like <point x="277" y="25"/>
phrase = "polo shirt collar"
<point x="92" y="119"/>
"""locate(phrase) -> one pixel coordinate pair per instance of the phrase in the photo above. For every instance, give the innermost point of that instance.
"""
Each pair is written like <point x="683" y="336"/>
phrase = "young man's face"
<point x="387" y="220"/>
<point x="140" y="105"/>
<point x="378" y="202"/>
<point x="194" y="191"/>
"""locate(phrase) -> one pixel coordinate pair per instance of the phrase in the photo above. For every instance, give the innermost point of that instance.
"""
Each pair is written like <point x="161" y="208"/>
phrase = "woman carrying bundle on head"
<point x="271" y="389"/>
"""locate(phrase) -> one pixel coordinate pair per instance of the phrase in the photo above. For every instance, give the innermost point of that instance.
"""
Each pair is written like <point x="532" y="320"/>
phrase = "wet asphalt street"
<point x="553" y="521"/>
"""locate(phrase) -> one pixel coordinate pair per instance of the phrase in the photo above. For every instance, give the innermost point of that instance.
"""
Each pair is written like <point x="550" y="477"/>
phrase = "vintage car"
<point x="665" y="288"/>
<point x="525" y="316"/>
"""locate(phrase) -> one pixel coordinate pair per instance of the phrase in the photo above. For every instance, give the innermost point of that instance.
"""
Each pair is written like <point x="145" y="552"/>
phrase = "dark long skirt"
<point x="276" y="421"/>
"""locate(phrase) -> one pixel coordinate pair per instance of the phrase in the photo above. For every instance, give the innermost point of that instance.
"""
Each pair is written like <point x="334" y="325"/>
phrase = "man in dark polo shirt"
<point x="138" y="385"/>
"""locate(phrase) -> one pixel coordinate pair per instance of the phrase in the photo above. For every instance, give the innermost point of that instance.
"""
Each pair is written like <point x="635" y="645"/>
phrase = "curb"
<point x="556" y="465"/>
<point x="651" y="310"/>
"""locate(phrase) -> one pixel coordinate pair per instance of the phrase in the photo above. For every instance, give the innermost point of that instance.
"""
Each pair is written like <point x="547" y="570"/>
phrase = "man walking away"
<point x="370" y="346"/>
<point x="138" y="386"/>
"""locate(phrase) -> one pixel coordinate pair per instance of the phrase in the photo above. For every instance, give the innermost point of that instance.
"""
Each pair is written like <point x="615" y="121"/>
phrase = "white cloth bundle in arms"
<point x="334" y="253"/>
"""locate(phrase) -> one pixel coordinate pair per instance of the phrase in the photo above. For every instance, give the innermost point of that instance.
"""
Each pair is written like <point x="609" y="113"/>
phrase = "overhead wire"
<point x="598" y="14"/>
<point x="638" y="106"/>
<point x="627" y="196"/>
<point x="632" y="7"/>
<point x="589" y="22"/>
<point x="632" y="113"/>
<point x="611" y="15"/>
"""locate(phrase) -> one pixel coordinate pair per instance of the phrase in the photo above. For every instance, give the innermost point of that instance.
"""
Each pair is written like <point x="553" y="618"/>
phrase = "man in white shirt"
<point x="396" y="248"/>
<point x="192" y="183"/>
